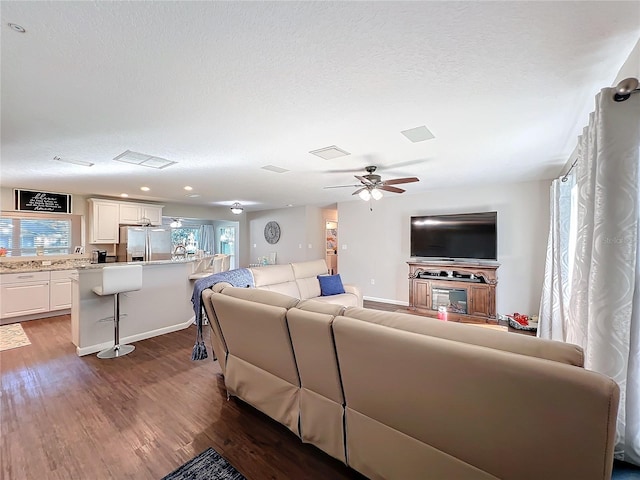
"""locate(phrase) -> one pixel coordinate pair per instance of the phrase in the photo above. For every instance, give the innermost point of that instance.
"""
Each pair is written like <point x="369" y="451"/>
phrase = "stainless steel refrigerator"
<point x="144" y="244"/>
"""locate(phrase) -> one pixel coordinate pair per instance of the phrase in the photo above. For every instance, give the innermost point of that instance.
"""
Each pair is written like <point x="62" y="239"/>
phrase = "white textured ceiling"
<point x="224" y="88"/>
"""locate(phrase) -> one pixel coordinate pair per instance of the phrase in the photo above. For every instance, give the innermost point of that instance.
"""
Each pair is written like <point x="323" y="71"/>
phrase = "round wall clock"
<point x="272" y="232"/>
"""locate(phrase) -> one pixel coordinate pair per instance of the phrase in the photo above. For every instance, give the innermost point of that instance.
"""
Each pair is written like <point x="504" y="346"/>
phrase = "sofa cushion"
<point x="272" y="274"/>
<point x="469" y="401"/>
<point x="308" y="269"/>
<point x="276" y="278"/>
<point x="330" y="284"/>
<point x="344" y="299"/>
<point x="262" y="296"/>
<point x="306" y="277"/>
<point x="521" y="344"/>
<point x="313" y="305"/>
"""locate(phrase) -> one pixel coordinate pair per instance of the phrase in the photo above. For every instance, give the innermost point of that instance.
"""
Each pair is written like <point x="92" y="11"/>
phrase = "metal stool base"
<point x="117" y="351"/>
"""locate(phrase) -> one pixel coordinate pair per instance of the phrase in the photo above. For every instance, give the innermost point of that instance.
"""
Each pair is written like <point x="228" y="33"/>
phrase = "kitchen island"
<point x="162" y="306"/>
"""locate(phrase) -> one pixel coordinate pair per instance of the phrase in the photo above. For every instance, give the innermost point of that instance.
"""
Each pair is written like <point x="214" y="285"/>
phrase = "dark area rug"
<point x="209" y="465"/>
<point x="625" y="471"/>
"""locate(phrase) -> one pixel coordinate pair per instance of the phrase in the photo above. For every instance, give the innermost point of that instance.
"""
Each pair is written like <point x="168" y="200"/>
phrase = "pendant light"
<point x="236" y="209"/>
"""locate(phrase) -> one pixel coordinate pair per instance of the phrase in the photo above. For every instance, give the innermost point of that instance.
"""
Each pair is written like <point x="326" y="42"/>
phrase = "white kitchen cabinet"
<point x="108" y="215"/>
<point x="135" y="213"/>
<point x="60" y="289"/>
<point x="130" y="214"/>
<point x="24" y="294"/>
<point x="105" y="221"/>
<point x="153" y="213"/>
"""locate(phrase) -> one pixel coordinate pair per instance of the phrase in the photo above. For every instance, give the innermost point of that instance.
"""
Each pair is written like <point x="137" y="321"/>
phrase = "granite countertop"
<point x="17" y="266"/>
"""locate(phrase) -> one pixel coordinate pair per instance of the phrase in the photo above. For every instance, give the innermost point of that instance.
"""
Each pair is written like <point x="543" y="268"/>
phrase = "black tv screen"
<point x="459" y="236"/>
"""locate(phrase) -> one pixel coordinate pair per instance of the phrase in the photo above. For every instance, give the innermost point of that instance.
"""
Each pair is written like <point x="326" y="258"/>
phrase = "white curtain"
<point x="604" y="293"/>
<point x="554" y="306"/>
<point x="207" y="238"/>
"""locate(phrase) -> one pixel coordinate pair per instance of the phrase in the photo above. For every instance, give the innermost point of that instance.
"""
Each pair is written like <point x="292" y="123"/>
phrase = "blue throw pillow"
<point x="330" y="284"/>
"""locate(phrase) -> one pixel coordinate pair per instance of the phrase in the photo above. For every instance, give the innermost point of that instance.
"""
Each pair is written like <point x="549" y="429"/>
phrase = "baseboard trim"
<point x="386" y="300"/>
<point x="35" y="316"/>
<point x="134" y="338"/>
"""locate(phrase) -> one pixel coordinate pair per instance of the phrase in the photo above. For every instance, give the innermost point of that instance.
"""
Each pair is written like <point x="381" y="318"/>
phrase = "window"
<point x="45" y="234"/>
<point x="227" y="239"/>
<point x="188" y="237"/>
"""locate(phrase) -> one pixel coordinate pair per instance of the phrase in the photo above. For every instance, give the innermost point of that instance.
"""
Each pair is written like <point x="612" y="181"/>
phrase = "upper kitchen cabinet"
<point x="130" y="214"/>
<point x="153" y="213"/>
<point x="104" y="222"/>
<point x="108" y="215"/>
<point x="137" y="214"/>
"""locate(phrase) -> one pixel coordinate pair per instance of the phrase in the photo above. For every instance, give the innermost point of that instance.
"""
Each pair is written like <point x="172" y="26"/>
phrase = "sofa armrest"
<point x="218" y="287"/>
<point x="354" y="290"/>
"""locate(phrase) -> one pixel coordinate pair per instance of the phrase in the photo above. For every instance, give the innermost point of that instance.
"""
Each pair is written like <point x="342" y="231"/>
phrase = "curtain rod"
<point x="565" y="177"/>
<point x="625" y="88"/>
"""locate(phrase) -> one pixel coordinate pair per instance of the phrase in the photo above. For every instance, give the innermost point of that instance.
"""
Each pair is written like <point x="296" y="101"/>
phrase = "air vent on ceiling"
<point x="273" y="168"/>
<point x="136" y="158"/>
<point x="75" y="162"/>
<point x="418" y="134"/>
<point x="329" y="153"/>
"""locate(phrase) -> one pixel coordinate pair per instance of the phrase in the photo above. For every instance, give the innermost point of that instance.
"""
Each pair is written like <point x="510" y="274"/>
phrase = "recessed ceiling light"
<point x="192" y="195"/>
<point x="145" y="189"/>
<point x="273" y="168"/>
<point x="136" y="158"/>
<point x="289" y="204"/>
<point x="418" y="134"/>
<point x="17" y="28"/>
<point x="124" y="195"/>
<point x="75" y="162"/>
<point x="188" y="188"/>
<point x="329" y="153"/>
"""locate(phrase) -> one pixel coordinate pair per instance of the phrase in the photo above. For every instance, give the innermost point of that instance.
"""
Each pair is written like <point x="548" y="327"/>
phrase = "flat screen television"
<point x="459" y="236"/>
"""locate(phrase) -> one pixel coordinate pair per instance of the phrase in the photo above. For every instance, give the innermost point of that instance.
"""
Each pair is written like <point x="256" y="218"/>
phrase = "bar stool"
<point x="117" y="280"/>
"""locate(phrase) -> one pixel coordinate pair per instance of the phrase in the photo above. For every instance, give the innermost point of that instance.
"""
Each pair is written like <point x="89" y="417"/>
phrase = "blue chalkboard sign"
<point x="29" y="201"/>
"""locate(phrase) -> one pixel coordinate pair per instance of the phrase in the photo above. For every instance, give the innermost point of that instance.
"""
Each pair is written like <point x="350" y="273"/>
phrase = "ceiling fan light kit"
<point x="372" y="185"/>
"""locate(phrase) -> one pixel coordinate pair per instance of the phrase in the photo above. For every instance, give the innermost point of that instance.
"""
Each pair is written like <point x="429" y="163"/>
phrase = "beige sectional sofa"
<point x="297" y="280"/>
<point x="397" y="396"/>
<point x="300" y="280"/>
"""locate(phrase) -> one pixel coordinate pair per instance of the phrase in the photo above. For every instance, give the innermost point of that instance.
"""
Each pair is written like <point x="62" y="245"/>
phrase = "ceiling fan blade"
<point x="396" y="181"/>
<point x="344" y="170"/>
<point x="342" y="186"/>
<point x="395" y="166"/>
<point x="390" y="189"/>
<point x="364" y="181"/>
<point x="359" y="190"/>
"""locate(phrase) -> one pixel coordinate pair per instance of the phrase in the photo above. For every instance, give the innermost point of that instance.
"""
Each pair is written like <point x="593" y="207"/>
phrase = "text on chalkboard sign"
<point x="27" y="200"/>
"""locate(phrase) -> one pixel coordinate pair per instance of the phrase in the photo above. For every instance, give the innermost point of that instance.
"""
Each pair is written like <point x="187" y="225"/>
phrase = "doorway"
<point x="331" y="231"/>
<point x="226" y="236"/>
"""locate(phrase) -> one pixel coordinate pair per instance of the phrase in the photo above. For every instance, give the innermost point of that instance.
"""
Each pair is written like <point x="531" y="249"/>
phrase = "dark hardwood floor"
<point x="136" y="417"/>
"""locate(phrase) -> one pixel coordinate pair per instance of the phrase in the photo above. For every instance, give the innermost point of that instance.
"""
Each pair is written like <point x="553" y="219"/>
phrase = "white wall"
<point x="301" y="234"/>
<point x="631" y="67"/>
<point x="378" y="241"/>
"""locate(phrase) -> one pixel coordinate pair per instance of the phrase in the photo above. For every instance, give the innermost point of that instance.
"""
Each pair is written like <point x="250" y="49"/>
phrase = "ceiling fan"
<point x="371" y="185"/>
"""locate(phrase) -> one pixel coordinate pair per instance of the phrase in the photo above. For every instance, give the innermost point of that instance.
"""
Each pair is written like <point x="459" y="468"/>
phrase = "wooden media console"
<point x="466" y="290"/>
